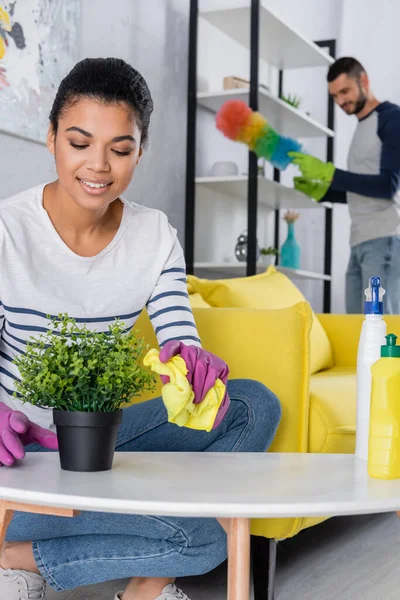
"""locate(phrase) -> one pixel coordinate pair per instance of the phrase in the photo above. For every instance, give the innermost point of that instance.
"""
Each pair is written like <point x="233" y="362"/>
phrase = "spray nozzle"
<point x="374" y="297"/>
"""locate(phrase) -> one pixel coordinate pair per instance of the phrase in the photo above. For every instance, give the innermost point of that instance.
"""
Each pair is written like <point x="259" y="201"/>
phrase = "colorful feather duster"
<point x="240" y="123"/>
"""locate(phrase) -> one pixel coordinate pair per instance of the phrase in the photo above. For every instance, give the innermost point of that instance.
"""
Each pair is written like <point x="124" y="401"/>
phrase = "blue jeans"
<point x="97" y="547"/>
<point x="375" y="257"/>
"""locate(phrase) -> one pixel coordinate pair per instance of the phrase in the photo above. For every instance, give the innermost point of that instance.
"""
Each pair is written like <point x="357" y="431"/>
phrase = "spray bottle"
<point x="384" y="432"/>
<point x="372" y="337"/>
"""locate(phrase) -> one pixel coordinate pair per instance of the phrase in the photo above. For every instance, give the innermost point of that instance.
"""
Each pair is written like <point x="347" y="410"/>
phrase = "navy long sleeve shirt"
<point x="371" y="186"/>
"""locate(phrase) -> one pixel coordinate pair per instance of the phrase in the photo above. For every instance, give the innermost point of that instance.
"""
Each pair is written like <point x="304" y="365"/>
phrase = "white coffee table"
<point x="231" y="487"/>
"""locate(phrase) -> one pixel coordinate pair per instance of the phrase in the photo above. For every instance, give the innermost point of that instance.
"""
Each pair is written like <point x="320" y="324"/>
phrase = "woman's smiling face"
<point x="96" y="149"/>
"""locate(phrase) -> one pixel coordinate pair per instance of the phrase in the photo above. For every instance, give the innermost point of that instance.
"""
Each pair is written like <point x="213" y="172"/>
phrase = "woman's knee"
<point x="263" y="406"/>
<point x="208" y="547"/>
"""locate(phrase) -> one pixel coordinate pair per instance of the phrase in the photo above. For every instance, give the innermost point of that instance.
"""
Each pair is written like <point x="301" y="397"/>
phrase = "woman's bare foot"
<point x="18" y="556"/>
<point x="145" y="588"/>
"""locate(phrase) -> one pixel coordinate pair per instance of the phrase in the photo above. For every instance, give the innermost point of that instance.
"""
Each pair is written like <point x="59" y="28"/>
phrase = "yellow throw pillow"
<point x="270" y="290"/>
<point x="197" y="301"/>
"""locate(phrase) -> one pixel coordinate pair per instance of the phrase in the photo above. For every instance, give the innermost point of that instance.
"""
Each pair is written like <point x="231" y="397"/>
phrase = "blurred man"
<point x="370" y="186"/>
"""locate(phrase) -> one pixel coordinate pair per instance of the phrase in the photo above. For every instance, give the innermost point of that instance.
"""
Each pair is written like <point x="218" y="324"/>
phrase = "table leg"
<point x="7" y="509"/>
<point x="238" y="531"/>
<point x="6" y="515"/>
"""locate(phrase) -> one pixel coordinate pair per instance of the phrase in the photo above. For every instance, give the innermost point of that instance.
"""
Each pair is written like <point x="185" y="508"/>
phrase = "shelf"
<point x="270" y="193"/>
<point x="280" y="45"/>
<point x="237" y="268"/>
<point x="287" y="120"/>
<point x="301" y="274"/>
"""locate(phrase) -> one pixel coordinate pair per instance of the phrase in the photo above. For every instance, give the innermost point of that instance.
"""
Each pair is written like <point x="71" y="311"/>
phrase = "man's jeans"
<point x="96" y="547"/>
<point x="375" y="257"/>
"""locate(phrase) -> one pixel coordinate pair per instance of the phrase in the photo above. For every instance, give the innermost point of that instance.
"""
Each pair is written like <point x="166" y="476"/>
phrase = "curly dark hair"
<point x="109" y="80"/>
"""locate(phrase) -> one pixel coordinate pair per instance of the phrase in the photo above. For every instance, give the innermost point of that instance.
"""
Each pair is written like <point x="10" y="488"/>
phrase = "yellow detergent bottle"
<point x="384" y="431"/>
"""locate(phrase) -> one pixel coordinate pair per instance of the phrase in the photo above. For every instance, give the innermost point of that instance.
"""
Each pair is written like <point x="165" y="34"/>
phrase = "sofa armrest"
<point x="344" y="332"/>
<point x="270" y="346"/>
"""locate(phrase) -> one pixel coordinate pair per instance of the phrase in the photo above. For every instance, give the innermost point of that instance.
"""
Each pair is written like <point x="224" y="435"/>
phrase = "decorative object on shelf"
<point x="290" y="251"/>
<point x="240" y="123"/>
<point x="291" y="100"/>
<point x="241" y="248"/>
<point x="233" y="83"/>
<point x="268" y="256"/>
<point x="224" y="169"/>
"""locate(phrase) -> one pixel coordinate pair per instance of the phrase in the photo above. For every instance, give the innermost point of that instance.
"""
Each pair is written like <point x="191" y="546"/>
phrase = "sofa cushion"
<point x="269" y="290"/>
<point x="197" y="301"/>
<point x="277" y="356"/>
<point x="332" y="425"/>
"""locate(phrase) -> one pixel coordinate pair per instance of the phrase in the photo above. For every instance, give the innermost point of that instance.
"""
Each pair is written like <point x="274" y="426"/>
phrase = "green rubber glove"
<point x="312" y="188"/>
<point x="313" y="168"/>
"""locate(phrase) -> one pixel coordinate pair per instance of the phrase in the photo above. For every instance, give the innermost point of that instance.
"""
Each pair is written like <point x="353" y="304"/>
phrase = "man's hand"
<point x="314" y="189"/>
<point x="313" y="168"/>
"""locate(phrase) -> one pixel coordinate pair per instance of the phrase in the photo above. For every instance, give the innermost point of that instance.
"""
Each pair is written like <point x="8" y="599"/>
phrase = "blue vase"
<point x="290" y="251"/>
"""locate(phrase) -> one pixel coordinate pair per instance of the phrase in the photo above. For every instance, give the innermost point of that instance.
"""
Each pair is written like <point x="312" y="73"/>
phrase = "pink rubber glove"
<point x="204" y="369"/>
<point x="16" y="432"/>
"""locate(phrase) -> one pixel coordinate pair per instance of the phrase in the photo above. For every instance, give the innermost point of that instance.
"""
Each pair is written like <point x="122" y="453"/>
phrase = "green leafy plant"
<point x="269" y="250"/>
<point x="292" y="100"/>
<point x="75" y="369"/>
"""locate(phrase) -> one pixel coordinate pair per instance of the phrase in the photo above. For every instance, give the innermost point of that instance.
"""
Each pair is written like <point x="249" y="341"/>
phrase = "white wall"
<point x="221" y="219"/>
<point x="23" y="165"/>
<point x="153" y="36"/>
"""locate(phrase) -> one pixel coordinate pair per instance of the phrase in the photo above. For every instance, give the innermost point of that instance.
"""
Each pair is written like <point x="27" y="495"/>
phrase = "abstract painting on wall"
<point x="39" y="44"/>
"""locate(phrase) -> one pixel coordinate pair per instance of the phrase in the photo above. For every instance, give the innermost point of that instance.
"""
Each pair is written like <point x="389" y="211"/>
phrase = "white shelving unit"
<point x="238" y="269"/>
<point x="289" y="121"/>
<point x="270" y="193"/>
<point x="282" y="47"/>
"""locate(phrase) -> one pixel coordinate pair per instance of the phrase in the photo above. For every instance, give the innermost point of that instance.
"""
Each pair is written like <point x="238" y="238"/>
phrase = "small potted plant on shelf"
<point x="85" y="377"/>
<point x="268" y="256"/>
<point x="291" y="100"/>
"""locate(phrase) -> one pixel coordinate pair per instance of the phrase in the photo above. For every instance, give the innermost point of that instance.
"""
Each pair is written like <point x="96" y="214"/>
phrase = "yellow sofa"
<point x="274" y="346"/>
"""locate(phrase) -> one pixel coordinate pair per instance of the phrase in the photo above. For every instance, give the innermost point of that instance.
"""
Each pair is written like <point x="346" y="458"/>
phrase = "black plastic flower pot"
<point x="87" y="440"/>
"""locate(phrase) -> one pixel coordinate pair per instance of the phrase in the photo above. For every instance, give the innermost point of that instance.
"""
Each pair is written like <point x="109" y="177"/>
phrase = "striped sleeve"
<point x="169" y="307"/>
<point x="1" y="292"/>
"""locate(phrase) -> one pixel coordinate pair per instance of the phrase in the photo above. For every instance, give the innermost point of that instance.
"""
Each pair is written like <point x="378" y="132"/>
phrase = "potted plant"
<point x="291" y="100"/>
<point x="268" y="256"/>
<point x="85" y="377"/>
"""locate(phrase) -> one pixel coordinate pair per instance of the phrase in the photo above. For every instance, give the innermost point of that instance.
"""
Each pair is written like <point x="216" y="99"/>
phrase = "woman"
<point x="74" y="245"/>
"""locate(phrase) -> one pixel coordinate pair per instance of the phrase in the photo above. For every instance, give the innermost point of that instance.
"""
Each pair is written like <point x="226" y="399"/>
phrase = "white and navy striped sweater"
<point x="143" y="266"/>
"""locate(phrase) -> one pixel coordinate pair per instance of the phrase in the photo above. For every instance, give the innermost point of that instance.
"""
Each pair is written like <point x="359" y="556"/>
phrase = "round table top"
<point x="206" y="485"/>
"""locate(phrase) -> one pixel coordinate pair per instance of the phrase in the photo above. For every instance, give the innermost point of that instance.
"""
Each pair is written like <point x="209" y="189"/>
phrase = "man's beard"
<point x="360" y="103"/>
